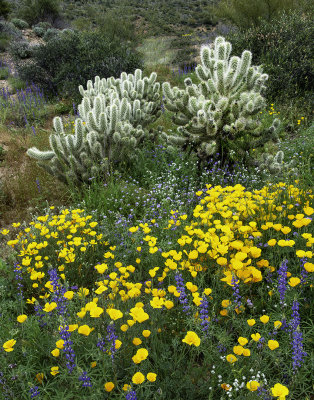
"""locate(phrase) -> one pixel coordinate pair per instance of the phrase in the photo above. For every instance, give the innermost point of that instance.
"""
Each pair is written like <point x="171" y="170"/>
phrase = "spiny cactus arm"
<point x="242" y="70"/>
<point x="202" y="74"/>
<point x="208" y="148"/>
<point x="76" y="167"/>
<point x="40" y="155"/>
<point x="180" y="119"/>
<point x="152" y="78"/>
<point x="79" y="134"/>
<point x="170" y="106"/>
<point x="270" y="134"/>
<point x="279" y="157"/>
<point x="91" y="123"/>
<point x="58" y="125"/>
<point x="177" y="140"/>
<point x="57" y="147"/>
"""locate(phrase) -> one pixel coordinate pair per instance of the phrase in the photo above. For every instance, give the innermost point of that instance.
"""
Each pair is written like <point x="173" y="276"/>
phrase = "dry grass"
<point x="20" y="194"/>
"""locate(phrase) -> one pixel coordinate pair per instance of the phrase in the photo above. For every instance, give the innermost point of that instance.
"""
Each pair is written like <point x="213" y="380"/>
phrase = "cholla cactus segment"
<point x="141" y="92"/>
<point x="106" y="132"/>
<point x="222" y="112"/>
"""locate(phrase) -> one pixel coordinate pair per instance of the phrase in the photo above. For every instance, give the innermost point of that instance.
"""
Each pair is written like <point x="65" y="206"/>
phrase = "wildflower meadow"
<point x="161" y="244"/>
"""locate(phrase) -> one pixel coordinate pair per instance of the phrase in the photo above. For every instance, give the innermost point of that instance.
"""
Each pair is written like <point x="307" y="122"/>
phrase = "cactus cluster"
<point x="142" y="93"/>
<point x="221" y="114"/>
<point x="275" y="164"/>
<point x="110" y="127"/>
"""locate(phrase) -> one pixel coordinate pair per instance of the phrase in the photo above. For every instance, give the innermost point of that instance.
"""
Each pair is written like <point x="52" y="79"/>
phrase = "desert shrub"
<point x="247" y="13"/>
<point x="4" y="42"/>
<point x="20" y="50"/>
<point x="9" y="29"/>
<point x="72" y="58"/>
<point x="5" y="8"/>
<point x="41" y="28"/>
<point x="34" y="11"/>
<point x="82" y="24"/>
<point x="39" y="31"/>
<point x="116" y="27"/>
<point x="284" y="49"/>
<point x="19" y="23"/>
<point x="50" y="33"/>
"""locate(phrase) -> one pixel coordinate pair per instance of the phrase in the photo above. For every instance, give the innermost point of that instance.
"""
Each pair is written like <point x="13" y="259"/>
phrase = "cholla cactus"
<point x="142" y="93"/>
<point x="221" y="113"/>
<point x="113" y="116"/>
<point x="104" y="134"/>
<point x="275" y="164"/>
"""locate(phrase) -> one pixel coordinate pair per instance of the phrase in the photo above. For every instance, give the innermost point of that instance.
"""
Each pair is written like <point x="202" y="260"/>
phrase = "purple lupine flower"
<point x="260" y="342"/>
<point x="282" y="281"/>
<point x="262" y="393"/>
<point x="34" y="391"/>
<point x="85" y="379"/>
<point x="295" y="322"/>
<point x="58" y="292"/>
<point x="236" y="291"/>
<point x="18" y="278"/>
<point x="112" y="337"/>
<point x="284" y="326"/>
<point x="131" y="395"/>
<point x="67" y="347"/>
<point x="101" y="344"/>
<point x="297" y="349"/>
<point x="204" y="314"/>
<point x="221" y="348"/>
<point x="304" y="273"/>
<point x="181" y="289"/>
<point x="298" y="353"/>
<point x="40" y="315"/>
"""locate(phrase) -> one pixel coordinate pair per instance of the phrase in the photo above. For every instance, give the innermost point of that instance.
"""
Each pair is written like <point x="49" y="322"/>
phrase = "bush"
<point x="41" y="28"/>
<point x="284" y="49"/>
<point x="72" y="58"/>
<point x="116" y="27"/>
<point x="10" y="30"/>
<point x="50" y="33"/>
<point x="20" y="50"/>
<point x="39" y="31"/>
<point x="5" y="9"/>
<point x="19" y="23"/>
<point x="4" y="42"/>
<point x="34" y="11"/>
<point x="248" y="13"/>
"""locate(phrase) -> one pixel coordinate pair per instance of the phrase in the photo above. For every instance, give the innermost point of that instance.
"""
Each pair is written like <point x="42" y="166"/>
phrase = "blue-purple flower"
<point x="67" y="347"/>
<point x="204" y="314"/>
<point x="298" y="353"/>
<point x="85" y="379"/>
<point x="181" y="289"/>
<point x="236" y="291"/>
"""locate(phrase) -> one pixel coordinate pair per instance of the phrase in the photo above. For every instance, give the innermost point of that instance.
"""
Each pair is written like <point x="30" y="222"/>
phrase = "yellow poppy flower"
<point x="138" y="378"/>
<point x="21" y="318"/>
<point x="109" y="386"/>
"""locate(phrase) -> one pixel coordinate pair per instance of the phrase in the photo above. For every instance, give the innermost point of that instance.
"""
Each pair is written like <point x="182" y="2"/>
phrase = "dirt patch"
<point x="32" y="38"/>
